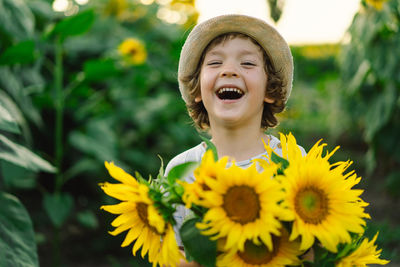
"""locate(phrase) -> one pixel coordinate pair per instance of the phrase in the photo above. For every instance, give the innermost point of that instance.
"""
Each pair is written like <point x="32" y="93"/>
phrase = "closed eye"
<point x="248" y="64"/>
<point x="213" y="63"/>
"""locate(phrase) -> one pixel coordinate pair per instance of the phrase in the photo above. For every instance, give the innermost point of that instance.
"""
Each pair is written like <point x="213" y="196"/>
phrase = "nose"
<point x="229" y="71"/>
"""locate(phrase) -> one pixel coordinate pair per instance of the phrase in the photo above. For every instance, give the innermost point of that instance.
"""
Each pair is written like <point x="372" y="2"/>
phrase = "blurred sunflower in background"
<point x="377" y="4"/>
<point x="133" y="51"/>
<point x="321" y="197"/>
<point x="139" y="216"/>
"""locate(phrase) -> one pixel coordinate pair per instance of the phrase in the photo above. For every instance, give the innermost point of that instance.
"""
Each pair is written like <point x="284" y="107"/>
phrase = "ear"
<point x="197" y="99"/>
<point x="269" y="100"/>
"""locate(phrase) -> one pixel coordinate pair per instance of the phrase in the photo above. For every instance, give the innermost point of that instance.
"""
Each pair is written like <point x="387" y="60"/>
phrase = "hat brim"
<point x="268" y="37"/>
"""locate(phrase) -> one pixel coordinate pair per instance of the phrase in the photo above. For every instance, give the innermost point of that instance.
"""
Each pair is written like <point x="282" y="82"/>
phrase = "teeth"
<point x="222" y="90"/>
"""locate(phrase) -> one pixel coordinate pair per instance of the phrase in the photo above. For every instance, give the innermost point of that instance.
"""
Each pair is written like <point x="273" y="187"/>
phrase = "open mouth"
<point x="229" y="93"/>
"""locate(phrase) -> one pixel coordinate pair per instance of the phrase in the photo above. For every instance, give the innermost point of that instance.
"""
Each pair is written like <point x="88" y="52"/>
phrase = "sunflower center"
<point x="143" y="215"/>
<point x="311" y="204"/>
<point x="241" y="204"/>
<point x="258" y="254"/>
<point x="133" y="51"/>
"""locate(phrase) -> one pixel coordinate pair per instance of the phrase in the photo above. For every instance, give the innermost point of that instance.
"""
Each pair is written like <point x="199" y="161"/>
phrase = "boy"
<point x="235" y="73"/>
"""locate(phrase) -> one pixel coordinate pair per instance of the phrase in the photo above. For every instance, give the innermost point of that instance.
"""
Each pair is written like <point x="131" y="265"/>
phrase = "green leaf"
<point x="12" y="83"/>
<point x="98" y="140"/>
<point x="97" y="70"/>
<point x="181" y="171"/>
<point x="345" y="251"/>
<point x="58" y="207"/>
<point x="359" y="78"/>
<point x="75" y="25"/>
<point x="42" y="9"/>
<point x="23" y="52"/>
<point x="198" y="246"/>
<point x="279" y="160"/>
<point x="161" y="169"/>
<point x="16" y="19"/>
<point x="9" y="105"/>
<point x="88" y="219"/>
<point x="16" y="177"/>
<point x="22" y="156"/>
<point x="211" y="146"/>
<point x="7" y="122"/>
<point x="140" y="178"/>
<point x="380" y="110"/>
<point x="17" y="238"/>
<point x="83" y="166"/>
<point x="320" y="254"/>
<point x="276" y="8"/>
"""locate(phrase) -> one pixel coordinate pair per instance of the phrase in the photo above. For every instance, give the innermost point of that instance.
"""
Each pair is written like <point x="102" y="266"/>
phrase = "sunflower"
<point x="133" y="50"/>
<point x="208" y="169"/>
<point x="243" y="205"/>
<point x="365" y="254"/>
<point x="283" y="253"/>
<point x="321" y="197"/>
<point x="377" y="4"/>
<point x="138" y="215"/>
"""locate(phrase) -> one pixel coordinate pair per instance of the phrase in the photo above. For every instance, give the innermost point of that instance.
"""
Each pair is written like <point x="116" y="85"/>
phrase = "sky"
<point x="302" y="21"/>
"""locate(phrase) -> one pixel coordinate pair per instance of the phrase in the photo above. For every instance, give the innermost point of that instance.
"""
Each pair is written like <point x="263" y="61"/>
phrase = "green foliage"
<point x="7" y="123"/>
<point x="388" y="239"/>
<point x="370" y="64"/>
<point x="197" y="246"/>
<point x="88" y="219"/>
<point x="276" y="8"/>
<point x="58" y="207"/>
<point x="283" y="163"/>
<point x="15" y="176"/>
<point x="17" y="243"/>
<point x="16" y="20"/>
<point x="62" y="78"/>
<point x="314" y="109"/>
<point x="17" y="238"/>
<point x="22" y="156"/>
<point x="75" y="25"/>
<point x="97" y="70"/>
<point x="180" y="171"/>
<point x="22" y="52"/>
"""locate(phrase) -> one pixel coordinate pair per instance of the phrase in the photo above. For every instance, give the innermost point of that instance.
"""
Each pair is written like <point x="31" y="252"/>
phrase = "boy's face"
<point x="233" y="82"/>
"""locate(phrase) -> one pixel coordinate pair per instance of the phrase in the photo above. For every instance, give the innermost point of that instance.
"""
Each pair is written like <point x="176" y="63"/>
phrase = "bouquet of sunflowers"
<point x="292" y="210"/>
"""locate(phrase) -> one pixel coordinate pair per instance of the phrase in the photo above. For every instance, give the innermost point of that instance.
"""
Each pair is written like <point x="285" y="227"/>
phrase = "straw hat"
<point x="268" y="37"/>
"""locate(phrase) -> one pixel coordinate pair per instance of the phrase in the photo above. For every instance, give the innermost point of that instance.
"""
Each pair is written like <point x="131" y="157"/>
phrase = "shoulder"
<point x="193" y="154"/>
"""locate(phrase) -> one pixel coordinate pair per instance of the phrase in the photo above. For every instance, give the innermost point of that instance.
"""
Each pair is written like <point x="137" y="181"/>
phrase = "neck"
<point x="240" y="144"/>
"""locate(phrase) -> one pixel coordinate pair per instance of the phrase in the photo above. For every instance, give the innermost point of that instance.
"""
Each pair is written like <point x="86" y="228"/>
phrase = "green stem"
<point x="56" y="247"/>
<point x="59" y="105"/>
<point x="74" y="84"/>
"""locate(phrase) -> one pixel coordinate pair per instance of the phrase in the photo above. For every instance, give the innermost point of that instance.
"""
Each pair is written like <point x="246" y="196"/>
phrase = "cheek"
<point x="206" y="80"/>
<point x="258" y="80"/>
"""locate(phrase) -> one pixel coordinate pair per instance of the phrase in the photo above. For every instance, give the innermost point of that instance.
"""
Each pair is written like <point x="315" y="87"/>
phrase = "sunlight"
<point x="302" y="22"/>
<point x="60" y="5"/>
